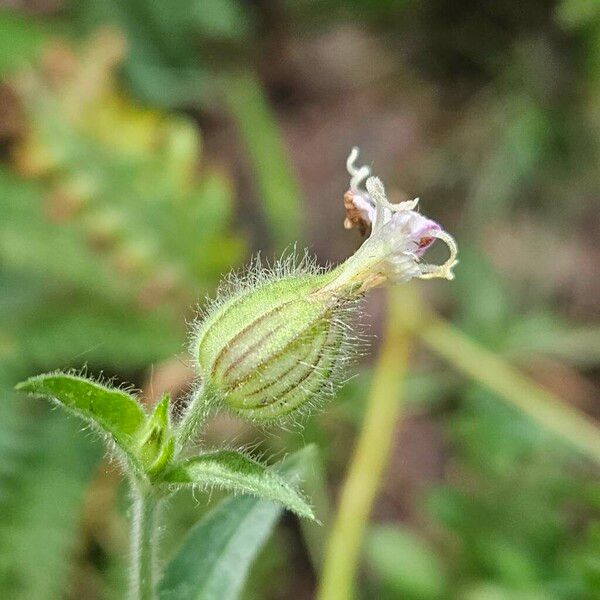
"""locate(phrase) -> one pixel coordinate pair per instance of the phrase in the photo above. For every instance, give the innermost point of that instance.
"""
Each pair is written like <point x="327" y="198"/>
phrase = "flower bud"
<point x="275" y="346"/>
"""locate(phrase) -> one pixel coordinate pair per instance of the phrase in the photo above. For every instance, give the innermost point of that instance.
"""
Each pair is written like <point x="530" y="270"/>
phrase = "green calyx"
<point x="275" y="347"/>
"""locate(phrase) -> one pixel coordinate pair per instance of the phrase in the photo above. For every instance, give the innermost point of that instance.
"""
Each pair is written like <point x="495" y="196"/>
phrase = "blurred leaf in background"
<point x="517" y="505"/>
<point x="176" y="50"/>
<point x="200" y="54"/>
<point x="110" y="231"/>
<point x="404" y="564"/>
<point x="43" y="481"/>
<point x="104" y="209"/>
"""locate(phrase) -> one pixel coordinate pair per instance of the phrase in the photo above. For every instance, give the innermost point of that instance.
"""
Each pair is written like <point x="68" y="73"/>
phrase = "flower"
<point x="276" y="342"/>
<point x="399" y="237"/>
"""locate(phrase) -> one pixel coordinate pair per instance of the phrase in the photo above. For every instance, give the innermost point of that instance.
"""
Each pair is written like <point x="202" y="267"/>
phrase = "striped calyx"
<point x="273" y="347"/>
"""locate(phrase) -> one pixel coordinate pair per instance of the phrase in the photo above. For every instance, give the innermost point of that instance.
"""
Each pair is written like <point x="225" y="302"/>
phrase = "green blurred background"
<point x="148" y="147"/>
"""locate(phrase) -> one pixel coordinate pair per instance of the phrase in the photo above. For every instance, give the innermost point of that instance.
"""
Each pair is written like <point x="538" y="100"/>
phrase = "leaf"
<point x="237" y="472"/>
<point x="115" y="412"/>
<point x="113" y="336"/>
<point x="157" y="440"/>
<point x="223" y="19"/>
<point x="20" y="40"/>
<point x="217" y="553"/>
<point x="163" y="65"/>
<point x="45" y="469"/>
<point x="109" y="195"/>
<point x="404" y="563"/>
<point x="275" y="181"/>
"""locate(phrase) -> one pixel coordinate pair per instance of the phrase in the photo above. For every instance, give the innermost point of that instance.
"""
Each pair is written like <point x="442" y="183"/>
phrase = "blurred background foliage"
<point x="148" y="147"/>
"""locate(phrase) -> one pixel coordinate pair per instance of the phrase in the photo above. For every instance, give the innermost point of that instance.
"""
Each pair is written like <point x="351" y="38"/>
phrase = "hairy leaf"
<point x="216" y="555"/>
<point x="157" y="440"/>
<point x="115" y="412"/>
<point x="237" y="472"/>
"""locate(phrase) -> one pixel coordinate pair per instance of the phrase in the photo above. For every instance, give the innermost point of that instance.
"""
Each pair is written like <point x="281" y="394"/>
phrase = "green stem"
<point x="497" y="375"/>
<point x="370" y="456"/>
<point x="196" y="413"/>
<point x="143" y="543"/>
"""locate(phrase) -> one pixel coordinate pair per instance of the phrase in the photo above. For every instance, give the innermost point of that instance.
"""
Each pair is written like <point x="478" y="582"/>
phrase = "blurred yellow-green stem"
<point x="270" y="163"/>
<point x="492" y="371"/>
<point x="407" y="316"/>
<point x="370" y="456"/>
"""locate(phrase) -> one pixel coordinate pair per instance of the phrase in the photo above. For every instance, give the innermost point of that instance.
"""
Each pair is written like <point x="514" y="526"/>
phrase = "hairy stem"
<point x="370" y="456"/>
<point x="195" y="414"/>
<point x="143" y="543"/>
<point x="496" y="374"/>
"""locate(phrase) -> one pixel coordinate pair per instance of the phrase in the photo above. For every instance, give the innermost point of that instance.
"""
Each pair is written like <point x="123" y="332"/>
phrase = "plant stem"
<point x="196" y="412"/>
<point x="407" y="317"/>
<point x="496" y="374"/>
<point x="143" y="543"/>
<point x="370" y="456"/>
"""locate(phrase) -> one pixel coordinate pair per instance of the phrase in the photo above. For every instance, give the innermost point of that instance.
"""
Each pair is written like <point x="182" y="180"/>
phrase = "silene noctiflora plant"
<point x="274" y="343"/>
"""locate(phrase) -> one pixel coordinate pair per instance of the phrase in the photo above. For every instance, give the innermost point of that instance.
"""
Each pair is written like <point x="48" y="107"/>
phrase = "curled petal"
<point x="443" y="271"/>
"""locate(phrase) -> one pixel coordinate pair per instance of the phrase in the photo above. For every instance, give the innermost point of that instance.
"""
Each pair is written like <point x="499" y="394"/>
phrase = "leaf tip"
<point x="27" y="386"/>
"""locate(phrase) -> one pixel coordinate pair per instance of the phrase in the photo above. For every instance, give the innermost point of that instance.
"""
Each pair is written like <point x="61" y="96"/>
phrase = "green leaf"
<point x="577" y="14"/>
<point x="45" y="469"/>
<point x="276" y="184"/>
<point x="237" y="472"/>
<point x="21" y="38"/>
<point x="157" y="440"/>
<point x="111" y="335"/>
<point x="404" y="563"/>
<point x="227" y="19"/>
<point x="114" y="412"/>
<point x="217" y="553"/>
